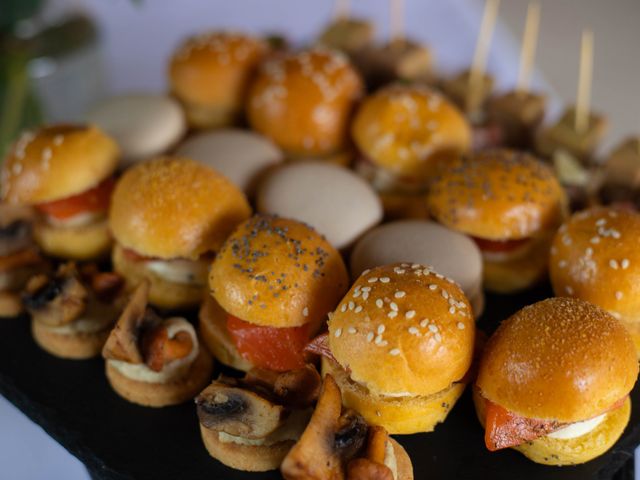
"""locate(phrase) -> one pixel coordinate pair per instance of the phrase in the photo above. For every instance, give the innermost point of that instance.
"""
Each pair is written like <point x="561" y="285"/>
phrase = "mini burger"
<point x="272" y="285"/>
<point x="402" y="134"/>
<point x="66" y="173"/>
<point x="399" y="346"/>
<point x="19" y="258"/>
<point x="210" y="73"/>
<point x="511" y="204"/>
<point x="169" y="216"/>
<point x="595" y="257"/>
<point x="152" y="361"/>
<point x="304" y="101"/>
<point x="554" y="382"/>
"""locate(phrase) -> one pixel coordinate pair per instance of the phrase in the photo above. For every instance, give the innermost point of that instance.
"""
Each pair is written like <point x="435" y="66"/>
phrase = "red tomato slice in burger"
<point x="499" y="246"/>
<point x="278" y="349"/>
<point x="93" y="200"/>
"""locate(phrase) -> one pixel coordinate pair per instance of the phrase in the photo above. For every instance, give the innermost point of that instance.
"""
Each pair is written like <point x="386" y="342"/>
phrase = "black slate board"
<point x="73" y="402"/>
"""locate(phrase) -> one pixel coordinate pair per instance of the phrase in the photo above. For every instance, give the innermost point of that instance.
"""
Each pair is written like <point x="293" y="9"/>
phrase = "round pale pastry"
<point x="174" y="207"/>
<point x="571" y="451"/>
<point x="403" y="330"/>
<point x="303" y="101"/>
<point x="409" y="129"/>
<point x="76" y="346"/>
<point x="57" y="162"/>
<point x="84" y="242"/>
<point x="335" y="201"/>
<point x="595" y="257"/>
<point x="561" y="358"/>
<point x="240" y="155"/>
<point x="497" y="195"/>
<point x="210" y="74"/>
<point x="420" y="241"/>
<point x="174" y="392"/>
<point x="143" y="125"/>
<point x="278" y="272"/>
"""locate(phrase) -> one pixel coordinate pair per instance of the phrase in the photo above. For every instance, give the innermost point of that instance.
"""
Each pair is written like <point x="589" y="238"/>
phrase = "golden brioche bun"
<point x="164" y="394"/>
<point x="75" y="346"/>
<point x="249" y="458"/>
<point x="214" y="334"/>
<point x="421" y="350"/>
<point x="175" y="207"/>
<point x="210" y="74"/>
<point x="57" y="162"/>
<point x="85" y="242"/>
<point x="303" y="101"/>
<point x="163" y="293"/>
<point x="497" y="195"/>
<point x="398" y="415"/>
<point x="595" y="257"/>
<point x="278" y="272"/>
<point x="571" y="451"/>
<point x="561" y="359"/>
<point x="408" y="130"/>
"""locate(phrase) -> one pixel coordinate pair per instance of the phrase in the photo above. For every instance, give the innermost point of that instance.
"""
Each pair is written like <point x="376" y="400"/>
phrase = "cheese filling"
<point x="82" y="219"/>
<point x="291" y="429"/>
<point x="181" y="270"/>
<point x="96" y="318"/>
<point x="577" y="429"/>
<point x="171" y="371"/>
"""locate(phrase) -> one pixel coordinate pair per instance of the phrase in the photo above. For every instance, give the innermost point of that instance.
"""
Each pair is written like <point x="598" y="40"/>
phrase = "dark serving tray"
<point x="73" y="402"/>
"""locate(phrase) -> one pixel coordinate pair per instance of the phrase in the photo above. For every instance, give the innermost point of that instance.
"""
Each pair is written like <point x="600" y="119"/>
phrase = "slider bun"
<point x="57" y="162"/>
<point x="75" y="346"/>
<point x="595" y="257"/>
<point x="210" y="74"/>
<point x="497" y="195"/>
<point x="164" y="394"/>
<point x="317" y="193"/>
<point x="400" y="415"/>
<point x="85" y="242"/>
<point x="174" y="207"/>
<point x="397" y="355"/>
<point x="240" y="155"/>
<point x="572" y="451"/>
<point x="428" y="243"/>
<point x="561" y="359"/>
<point x="409" y="129"/>
<point x="272" y="271"/>
<point x="303" y="101"/>
<point x="143" y="125"/>
<point x="249" y="458"/>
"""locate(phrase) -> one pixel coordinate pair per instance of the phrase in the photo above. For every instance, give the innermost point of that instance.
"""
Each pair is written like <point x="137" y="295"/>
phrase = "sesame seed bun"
<point x="403" y="330"/>
<point x="86" y="242"/>
<point x="559" y="359"/>
<point x="408" y="129"/>
<point x="277" y="272"/>
<point x="57" y="162"/>
<point x="174" y="207"/>
<point x="595" y="257"/>
<point x="497" y="195"/>
<point x="303" y="101"/>
<point x="210" y="74"/>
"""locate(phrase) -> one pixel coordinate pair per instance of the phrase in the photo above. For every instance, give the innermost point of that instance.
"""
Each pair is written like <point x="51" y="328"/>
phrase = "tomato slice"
<point x="95" y="199"/>
<point x="278" y="349"/>
<point x="134" y="256"/>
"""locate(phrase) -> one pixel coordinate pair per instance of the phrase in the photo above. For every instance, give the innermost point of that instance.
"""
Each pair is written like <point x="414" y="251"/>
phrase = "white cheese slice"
<point x="577" y="429"/>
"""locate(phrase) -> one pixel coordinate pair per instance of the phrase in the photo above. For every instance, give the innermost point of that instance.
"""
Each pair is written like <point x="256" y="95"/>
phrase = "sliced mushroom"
<point x="225" y="406"/>
<point x="105" y="285"/>
<point x="56" y="300"/>
<point x="372" y="465"/>
<point x="296" y="388"/>
<point x="15" y="228"/>
<point x="350" y="435"/>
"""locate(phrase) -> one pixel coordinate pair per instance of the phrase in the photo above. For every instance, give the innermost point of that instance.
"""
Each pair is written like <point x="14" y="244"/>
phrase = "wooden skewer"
<point x="396" y="14"/>
<point x="341" y="9"/>
<point x="479" y="64"/>
<point x="583" y="102"/>
<point x="528" y="52"/>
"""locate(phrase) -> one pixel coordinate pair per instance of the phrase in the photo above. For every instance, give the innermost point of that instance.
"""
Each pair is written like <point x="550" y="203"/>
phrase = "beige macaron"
<point x="335" y="201"/>
<point x="240" y="155"/>
<point x="143" y="125"/>
<point x="418" y="241"/>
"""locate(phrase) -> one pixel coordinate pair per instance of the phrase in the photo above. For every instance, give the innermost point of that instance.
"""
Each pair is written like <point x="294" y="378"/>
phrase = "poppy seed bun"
<point x="303" y="101"/>
<point x="407" y="129"/>
<point x="559" y="359"/>
<point x="595" y="257"/>
<point x="403" y="330"/>
<point x="174" y="207"/>
<point x="57" y="162"/>
<point x="277" y="272"/>
<point x="210" y="74"/>
<point x="497" y="195"/>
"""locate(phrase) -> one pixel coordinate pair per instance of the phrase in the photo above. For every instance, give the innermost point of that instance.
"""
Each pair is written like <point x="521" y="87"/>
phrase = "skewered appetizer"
<point x="620" y="183"/>
<point x="518" y="114"/>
